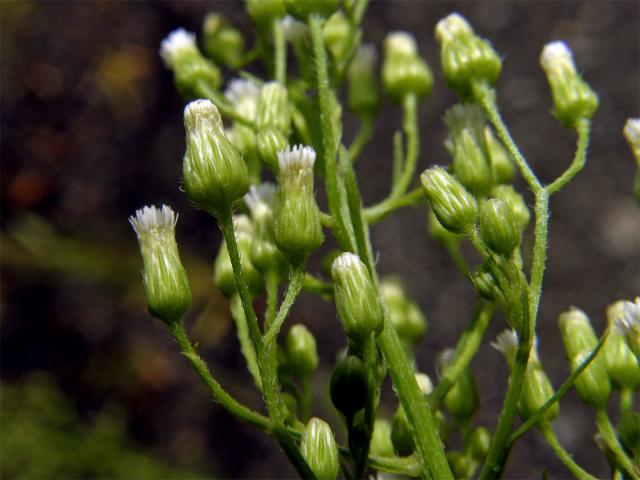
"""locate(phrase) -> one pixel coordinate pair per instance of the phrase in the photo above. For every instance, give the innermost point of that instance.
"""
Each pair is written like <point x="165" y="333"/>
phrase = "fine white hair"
<point x="150" y="220"/>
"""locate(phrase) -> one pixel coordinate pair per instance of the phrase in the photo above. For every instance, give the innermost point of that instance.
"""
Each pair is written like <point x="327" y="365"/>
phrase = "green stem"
<point x="382" y="210"/>
<point x="246" y="345"/>
<point x="410" y="127"/>
<point x="361" y="139"/>
<point x="626" y="400"/>
<point x="453" y="249"/>
<point x="295" y="285"/>
<point x="611" y="440"/>
<point x="583" y="128"/>
<point x="280" y="47"/>
<point x="562" y="390"/>
<point x="312" y="284"/>
<point x="466" y="349"/>
<point x="576" y="470"/>
<point x="485" y="95"/>
<point x="271" y="283"/>
<point x="219" y="394"/>
<point x="219" y="100"/>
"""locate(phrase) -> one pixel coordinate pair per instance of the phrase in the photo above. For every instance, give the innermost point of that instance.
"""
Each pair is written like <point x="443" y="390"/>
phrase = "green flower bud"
<point x="223" y="275"/>
<point x="363" y="98"/>
<point x="629" y="431"/>
<point x="264" y="12"/>
<point x="302" y="354"/>
<point x="349" y="386"/>
<point x="403" y="71"/>
<point x="573" y="99"/>
<point x="465" y="57"/>
<point x="519" y="208"/>
<point x="401" y="434"/>
<point x="577" y="333"/>
<point x="273" y="108"/>
<point x="270" y="143"/>
<point x="302" y="9"/>
<point x="335" y="34"/>
<point x="502" y="168"/>
<point x="536" y="390"/>
<point x="498" y="227"/>
<point x="479" y="444"/>
<point x="470" y="165"/>
<point x="222" y="42"/>
<point x="484" y="282"/>
<point x="424" y="383"/>
<point x="619" y="361"/>
<point x="461" y="465"/>
<point x="404" y="314"/>
<point x="319" y="449"/>
<point x="297" y="226"/>
<point x="439" y="233"/>
<point x="165" y="281"/>
<point x="628" y="325"/>
<point x="381" y="444"/>
<point x="453" y="205"/>
<point x="462" y="400"/>
<point x="632" y="135"/>
<point x="592" y="384"/>
<point x="356" y="297"/>
<point x="214" y="173"/>
<point x="181" y="55"/>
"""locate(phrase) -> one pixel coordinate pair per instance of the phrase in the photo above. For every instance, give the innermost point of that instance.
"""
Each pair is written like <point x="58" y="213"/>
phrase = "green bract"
<point x="403" y="71"/>
<point x="498" y="227"/>
<point x="302" y="355"/>
<point x="320" y="450"/>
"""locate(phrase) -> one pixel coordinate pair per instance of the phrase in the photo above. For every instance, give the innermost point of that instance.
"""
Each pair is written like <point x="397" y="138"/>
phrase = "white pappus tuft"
<point x="402" y="43"/>
<point x="632" y="130"/>
<point x="296" y="157"/>
<point x="556" y="55"/>
<point x="152" y="220"/>
<point x="346" y="261"/>
<point x="451" y="26"/>
<point x="424" y="383"/>
<point x="506" y="343"/>
<point x="243" y="95"/>
<point x="202" y="110"/>
<point x="175" y="44"/>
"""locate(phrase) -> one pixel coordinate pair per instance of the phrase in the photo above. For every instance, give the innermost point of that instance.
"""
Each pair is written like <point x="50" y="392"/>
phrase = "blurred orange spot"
<point x="44" y="80"/>
<point x="28" y="188"/>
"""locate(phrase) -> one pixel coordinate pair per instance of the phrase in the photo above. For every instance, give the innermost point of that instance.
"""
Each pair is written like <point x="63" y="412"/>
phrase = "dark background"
<point x="91" y="130"/>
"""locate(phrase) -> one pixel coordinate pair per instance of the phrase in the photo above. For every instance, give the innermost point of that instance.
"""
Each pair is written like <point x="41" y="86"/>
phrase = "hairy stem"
<point x="611" y="440"/>
<point x="576" y="470"/>
<point x="295" y="285"/>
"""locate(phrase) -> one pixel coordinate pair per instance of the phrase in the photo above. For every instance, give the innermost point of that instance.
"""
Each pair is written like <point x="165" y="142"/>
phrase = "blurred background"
<point x="93" y="387"/>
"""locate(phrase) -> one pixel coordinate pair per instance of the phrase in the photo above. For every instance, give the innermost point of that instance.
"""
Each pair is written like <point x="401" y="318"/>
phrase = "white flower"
<point x="203" y="110"/>
<point x="175" y="45"/>
<point x="243" y="95"/>
<point x="629" y="318"/>
<point x="556" y="56"/>
<point x="451" y="27"/>
<point x="152" y="221"/>
<point x="400" y="43"/>
<point x="632" y="131"/>
<point x="298" y="157"/>
<point x="260" y="199"/>
<point x="507" y="344"/>
<point x="424" y="382"/>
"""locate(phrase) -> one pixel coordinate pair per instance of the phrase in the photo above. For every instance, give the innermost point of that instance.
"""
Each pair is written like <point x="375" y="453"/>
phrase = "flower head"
<point x="175" y="45"/>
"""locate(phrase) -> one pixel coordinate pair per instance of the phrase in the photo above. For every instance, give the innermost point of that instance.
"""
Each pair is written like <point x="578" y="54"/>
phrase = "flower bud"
<point x="302" y="354"/>
<point x="629" y="431"/>
<point x="628" y="325"/>
<point x="465" y="57"/>
<point x="335" y="35"/>
<point x="577" y="333"/>
<point x="401" y="433"/>
<point x="498" y="227"/>
<point x="519" y="208"/>
<point x="223" y="275"/>
<point x="289" y="407"/>
<point x="424" y="383"/>
<point x="381" y="444"/>
<point x="403" y="71"/>
<point x="573" y="99"/>
<point x="349" y="386"/>
<point x="214" y="173"/>
<point x="165" y="281"/>
<point x="302" y="9"/>
<point x="479" y="444"/>
<point x="502" y="168"/>
<point x="619" y="361"/>
<point x="222" y="42"/>
<point x="470" y="165"/>
<point x="592" y="384"/>
<point x="404" y="314"/>
<point x="536" y="390"/>
<point x="632" y="134"/>
<point x="319" y="449"/>
<point x="273" y="108"/>
<point x="356" y="297"/>
<point x="462" y="466"/>
<point x="363" y="98"/>
<point x="439" y="233"/>
<point x="484" y="282"/>
<point x="454" y="206"/>
<point x="462" y="400"/>
<point x="297" y="226"/>
<point x="269" y="143"/>
<point x="181" y="55"/>
<point x="264" y="12"/>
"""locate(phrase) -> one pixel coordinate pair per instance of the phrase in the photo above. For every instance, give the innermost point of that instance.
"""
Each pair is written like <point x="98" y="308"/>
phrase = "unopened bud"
<point x="462" y="400"/>
<point x="439" y="233"/>
<point x="628" y="324"/>
<point x="479" y="444"/>
<point x="181" y="55"/>
<point x="302" y="354"/>
<point x="465" y="57"/>
<point x="297" y="227"/>
<point x="519" y="208"/>
<point x="498" y="227"/>
<point x="404" y="72"/>
<point x="335" y="34"/>
<point x="165" y="281"/>
<point x="424" y="383"/>
<point x="319" y="449"/>
<point x="381" y="444"/>
<point x="577" y="333"/>
<point x="215" y="175"/>
<point x="349" y="386"/>
<point x="401" y="434"/>
<point x="573" y="99"/>
<point x="405" y="315"/>
<point x="592" y="384"/>
<point x="264" y="12"/>
<point x="632" y="134"/>
<point x="470" y="164"/>
<point x="454" y="206"/>
<point x="222" y="42"/>
<point x="502" y="167"/>
<point x="363" y="98"/>
<point x="356" y="297"/>
<point x="273" y="107"/>
<point x="536" y="390"/>
<point x="619" y="361"/>
<point x="484" y="282"/>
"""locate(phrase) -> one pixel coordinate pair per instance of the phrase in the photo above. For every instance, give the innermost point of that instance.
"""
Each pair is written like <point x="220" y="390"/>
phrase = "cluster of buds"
<point x="573" y="99"/>
<point x="404" y="72"/>
<point x="465" y="57"/>
<point x="190" y="68"/>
